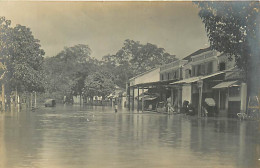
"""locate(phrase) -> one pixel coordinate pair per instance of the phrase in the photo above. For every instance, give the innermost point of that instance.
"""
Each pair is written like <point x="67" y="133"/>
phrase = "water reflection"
<point x="74" y="136"/>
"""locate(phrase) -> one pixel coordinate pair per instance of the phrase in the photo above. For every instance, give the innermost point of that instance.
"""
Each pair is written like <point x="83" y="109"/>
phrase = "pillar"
<point x="219" y="100"/>
<point x="31" y="101"/>
<point x="128" y="96"/>
<point x="133" y="98"/>
<point x="142" y="99"/>
<point x="34" y="99"/>
<point x="137" y="98"/>
<point x="243" y="96"/>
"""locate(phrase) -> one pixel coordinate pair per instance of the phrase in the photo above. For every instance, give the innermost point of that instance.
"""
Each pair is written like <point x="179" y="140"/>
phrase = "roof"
<point x="144" y="73"/>
<point x="196" y="78"/>
<point x="197" y="53"/>
<point x="224" y="85"/>
<point x="158" y="83"/>
<point x="188" y="80"/>
<point x="211" y="75"/>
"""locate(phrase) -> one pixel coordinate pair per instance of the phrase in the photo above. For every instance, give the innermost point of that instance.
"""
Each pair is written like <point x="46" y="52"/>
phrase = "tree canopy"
<point x="22" y="55"/>
<point x="67" y="70"/>
<point x="233" y="28"/>
<point x="135" y="58"/>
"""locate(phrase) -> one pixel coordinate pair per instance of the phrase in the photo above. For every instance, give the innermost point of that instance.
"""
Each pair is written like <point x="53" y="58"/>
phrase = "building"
<point x="173" y="93"/>
<point x="140" y="84"/>
<point x="208" y="70"/>
<point x="203" y="74"/>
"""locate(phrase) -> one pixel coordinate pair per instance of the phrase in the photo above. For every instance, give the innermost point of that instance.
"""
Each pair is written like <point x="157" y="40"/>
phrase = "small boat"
<point x="50" y="103"/>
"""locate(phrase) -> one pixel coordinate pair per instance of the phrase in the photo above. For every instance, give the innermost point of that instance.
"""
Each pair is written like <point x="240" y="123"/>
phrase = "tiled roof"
<point x="196" y="53"/>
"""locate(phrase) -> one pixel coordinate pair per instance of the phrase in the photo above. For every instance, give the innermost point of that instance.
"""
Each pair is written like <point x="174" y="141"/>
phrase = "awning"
<point x="224" y="85"/>
<point x="197" y="78"/>
<point x="211" y="75"/>
<point x="188" y="80"/>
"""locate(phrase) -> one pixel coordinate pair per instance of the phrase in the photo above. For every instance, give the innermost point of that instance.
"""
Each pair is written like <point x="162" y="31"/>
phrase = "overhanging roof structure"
<point x="196" y="78"/>
<point x="154" y="84"/>
<point x="224" y="85"/>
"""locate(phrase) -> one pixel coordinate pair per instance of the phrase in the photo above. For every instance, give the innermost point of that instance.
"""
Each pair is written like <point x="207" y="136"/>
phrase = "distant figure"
<point x="185" y="109"/>
<point x="115" y="105"/>
<point x="170" y="108"/>
<point x="191" y="110"/>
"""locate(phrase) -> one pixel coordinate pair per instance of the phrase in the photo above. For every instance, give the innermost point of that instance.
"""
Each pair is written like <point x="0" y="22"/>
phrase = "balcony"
<point x="172" y="65"/>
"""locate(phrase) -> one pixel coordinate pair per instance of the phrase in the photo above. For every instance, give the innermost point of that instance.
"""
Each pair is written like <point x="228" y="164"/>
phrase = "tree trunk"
<point x="16" y="96"/>
<point x="3" y="96"/>
<point x="35" y="99"/>
<point x="31" y="100"/>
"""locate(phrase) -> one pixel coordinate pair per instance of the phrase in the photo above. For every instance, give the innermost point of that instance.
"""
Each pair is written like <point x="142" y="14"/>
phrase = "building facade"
<point x="203" y="74"/>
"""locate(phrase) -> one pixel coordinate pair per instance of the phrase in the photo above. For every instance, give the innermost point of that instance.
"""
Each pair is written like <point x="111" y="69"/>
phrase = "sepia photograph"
<point x="129" y="84"/>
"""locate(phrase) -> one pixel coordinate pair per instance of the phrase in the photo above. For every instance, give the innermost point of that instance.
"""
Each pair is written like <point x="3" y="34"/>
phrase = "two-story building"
<point x="173" y="71"/>
<point x="209" y="70"/>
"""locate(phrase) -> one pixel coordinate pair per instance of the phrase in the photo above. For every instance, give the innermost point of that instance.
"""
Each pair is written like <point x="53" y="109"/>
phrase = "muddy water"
<point x="93" y="137"/>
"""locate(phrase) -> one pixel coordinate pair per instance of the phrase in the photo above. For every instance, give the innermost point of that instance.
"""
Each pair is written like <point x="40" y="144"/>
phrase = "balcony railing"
<point x="172" y="65"/>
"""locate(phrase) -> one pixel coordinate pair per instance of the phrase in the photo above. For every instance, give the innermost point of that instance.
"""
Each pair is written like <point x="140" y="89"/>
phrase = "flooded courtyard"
<point x="93" y="137"/>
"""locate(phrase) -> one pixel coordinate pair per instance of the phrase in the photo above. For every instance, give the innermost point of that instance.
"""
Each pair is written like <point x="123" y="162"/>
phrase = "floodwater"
<point x="96" y="137"/>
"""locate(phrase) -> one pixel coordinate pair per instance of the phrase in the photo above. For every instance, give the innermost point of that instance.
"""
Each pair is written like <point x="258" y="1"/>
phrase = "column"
<point x="142" y="99"/>
<point x="137" y="98"/>
<point x="133" y="98"/>
<point x="171" y="96"/>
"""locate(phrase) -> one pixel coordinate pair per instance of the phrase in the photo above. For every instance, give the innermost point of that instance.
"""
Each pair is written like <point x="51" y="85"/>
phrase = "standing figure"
<point x="115" y="105"/>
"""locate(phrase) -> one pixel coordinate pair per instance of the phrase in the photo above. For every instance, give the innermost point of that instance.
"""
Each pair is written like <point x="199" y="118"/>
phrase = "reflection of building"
<point x="179" y="81"/>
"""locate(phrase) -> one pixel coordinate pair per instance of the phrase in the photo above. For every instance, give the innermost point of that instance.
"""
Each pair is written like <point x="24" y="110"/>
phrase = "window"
<point x="193" y="71"/>
<point x="222" y="66"/>
<point x="210" y="68"/>
<point x="200" y="70"/>
<point x="161" y="76"/>
<point x="234" y="91"/>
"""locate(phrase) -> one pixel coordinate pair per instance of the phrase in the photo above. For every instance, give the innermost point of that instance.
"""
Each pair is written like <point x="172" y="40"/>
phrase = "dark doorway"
<point x="233" y="108"/>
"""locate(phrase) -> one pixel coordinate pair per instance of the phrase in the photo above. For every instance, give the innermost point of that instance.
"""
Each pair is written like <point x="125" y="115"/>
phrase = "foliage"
<point x="233" y="28"/>
<point x="66" y="71"/>
<point x="22" y="56"/>
<point x="135" y="58"/>
<point x="98" y="84"/>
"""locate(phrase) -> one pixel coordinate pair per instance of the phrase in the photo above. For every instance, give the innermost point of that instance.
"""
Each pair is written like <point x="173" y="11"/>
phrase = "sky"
<point x="103" y="26"/>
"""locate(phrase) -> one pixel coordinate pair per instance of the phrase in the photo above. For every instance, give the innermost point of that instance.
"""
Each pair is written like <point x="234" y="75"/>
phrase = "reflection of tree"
<point x="23" y="139"/>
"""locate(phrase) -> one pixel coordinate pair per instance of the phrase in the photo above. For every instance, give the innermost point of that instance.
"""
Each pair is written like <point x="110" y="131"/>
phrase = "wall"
<point x="229" y="63"/>
<point x="243" y="95"/>
<point x="152" y="76"/>
<point x="186" y="93"/>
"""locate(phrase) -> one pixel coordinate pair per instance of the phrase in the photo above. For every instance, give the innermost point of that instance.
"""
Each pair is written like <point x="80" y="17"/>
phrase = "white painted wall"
<point x="147" y="77"/>
<point x="152" y="76"/>
<point x="243" y="94"/>
<point x="186" y="93"/>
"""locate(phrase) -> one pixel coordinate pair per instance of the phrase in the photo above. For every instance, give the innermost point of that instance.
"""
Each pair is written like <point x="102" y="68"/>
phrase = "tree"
<point x="22" y="56"/>
<point x="233" y="28"/>
<point x="67" y="70"/>
<point x="98" y="84"/>
<point x="135" y="58"/>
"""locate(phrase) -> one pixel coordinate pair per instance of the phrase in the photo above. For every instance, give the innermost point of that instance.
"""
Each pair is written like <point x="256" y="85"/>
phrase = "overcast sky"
<point x="104" y="26"/>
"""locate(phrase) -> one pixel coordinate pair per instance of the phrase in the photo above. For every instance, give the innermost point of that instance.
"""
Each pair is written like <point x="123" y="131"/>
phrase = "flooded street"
<point x="77" y="137"/>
